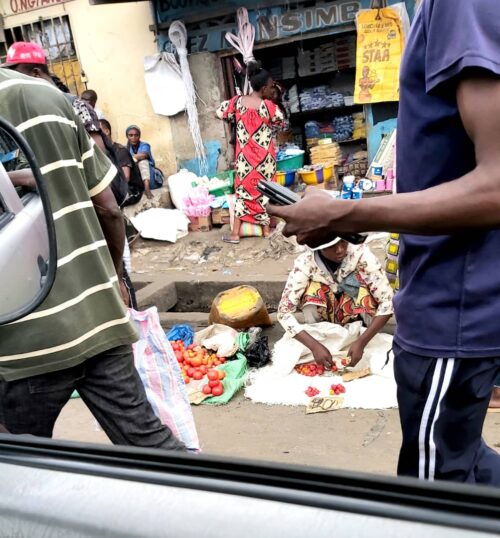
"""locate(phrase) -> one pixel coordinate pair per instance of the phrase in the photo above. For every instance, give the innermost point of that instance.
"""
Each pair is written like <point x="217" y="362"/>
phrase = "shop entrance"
<point x="319" y="75"/>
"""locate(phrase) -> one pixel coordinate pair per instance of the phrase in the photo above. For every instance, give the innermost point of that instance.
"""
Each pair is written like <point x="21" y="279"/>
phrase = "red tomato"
<point x="190" y="347"/>
<point x="187" y="380"/>
<point x="203" y="369"/>
<point x="196" y="361"/>
<point x="197" y="375"/>
<point x="191" y="372"/>
<point x="213" y="375"/>
<point x="213" y="384"/>
<point x="218" y="390"/>
<point x="206" y="390"/>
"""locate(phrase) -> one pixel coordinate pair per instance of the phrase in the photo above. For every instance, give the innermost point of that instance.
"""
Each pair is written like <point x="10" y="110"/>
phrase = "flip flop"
<point x="227" y="239"/>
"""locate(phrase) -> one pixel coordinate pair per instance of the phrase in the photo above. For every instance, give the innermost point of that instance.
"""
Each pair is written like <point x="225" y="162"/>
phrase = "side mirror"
<point x="28" y="250"/>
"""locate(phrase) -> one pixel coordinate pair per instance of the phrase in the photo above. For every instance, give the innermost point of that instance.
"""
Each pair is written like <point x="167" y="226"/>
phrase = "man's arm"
<point x="23" y="178"/>
<point x="113" y="227"/>
<point x="358" y="347"/>
<point x="140" y="156"/>
<point x="470" y="202"/>
<point x="126" y="173"/>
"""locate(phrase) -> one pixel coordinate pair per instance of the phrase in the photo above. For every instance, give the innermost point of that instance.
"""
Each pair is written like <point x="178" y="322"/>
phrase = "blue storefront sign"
<point x="275" y="23"/>
<point x="271" y="23"/>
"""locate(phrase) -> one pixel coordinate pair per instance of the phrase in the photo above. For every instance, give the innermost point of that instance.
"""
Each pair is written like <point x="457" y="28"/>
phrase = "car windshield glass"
<point x="349" y="323"/>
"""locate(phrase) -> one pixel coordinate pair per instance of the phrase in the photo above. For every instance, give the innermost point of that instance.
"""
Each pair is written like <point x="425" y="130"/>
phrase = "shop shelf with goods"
<point x="302" y="66"/>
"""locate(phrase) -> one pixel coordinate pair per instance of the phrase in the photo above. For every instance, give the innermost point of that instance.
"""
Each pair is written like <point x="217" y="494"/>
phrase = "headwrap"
<point x="132" y="127"/>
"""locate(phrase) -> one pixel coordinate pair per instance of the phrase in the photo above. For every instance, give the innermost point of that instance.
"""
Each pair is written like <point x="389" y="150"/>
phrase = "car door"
<point x="28" y="261"/>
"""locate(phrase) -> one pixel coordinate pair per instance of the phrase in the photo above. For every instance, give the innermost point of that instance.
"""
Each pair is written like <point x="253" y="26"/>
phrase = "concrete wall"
<point x="206" y="70"/>
<point x="111" y="42"/>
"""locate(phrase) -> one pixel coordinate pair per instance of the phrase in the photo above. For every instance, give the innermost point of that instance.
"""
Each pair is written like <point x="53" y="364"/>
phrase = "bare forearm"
<point x="377" y="324"/>
<point x="113" y="228"/>
<point x="307" y="340"/>
<point x="471" y="202"/>
<point x="23" y="178"/>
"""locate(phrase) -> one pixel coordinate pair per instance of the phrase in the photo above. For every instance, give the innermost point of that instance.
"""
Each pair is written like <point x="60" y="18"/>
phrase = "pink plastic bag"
<point x="161" y="375"/>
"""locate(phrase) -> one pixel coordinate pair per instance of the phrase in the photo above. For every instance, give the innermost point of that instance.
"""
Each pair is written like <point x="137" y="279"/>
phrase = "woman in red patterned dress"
<point x="255" y="116"/>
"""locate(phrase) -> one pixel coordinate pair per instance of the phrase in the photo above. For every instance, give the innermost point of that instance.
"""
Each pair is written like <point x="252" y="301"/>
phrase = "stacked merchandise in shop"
<point x="320" y="97"/>
<point x="288" y="68"/>
<point x="356" y="164"/>
<point x="343" y="127"/>
<point x="319" y="60"/>
<point x="276" y="72"/>
<point x="345" y="52"/>
<point x="327" y="153"/>
<point x="293" y="102"/>
<point x="359" y="128"/>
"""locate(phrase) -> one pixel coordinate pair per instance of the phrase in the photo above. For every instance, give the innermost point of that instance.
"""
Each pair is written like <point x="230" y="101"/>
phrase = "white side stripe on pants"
<point x="427" y="446"/>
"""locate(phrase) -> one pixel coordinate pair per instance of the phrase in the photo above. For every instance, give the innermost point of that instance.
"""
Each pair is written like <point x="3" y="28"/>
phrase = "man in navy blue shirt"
<point x="447" y="345"/>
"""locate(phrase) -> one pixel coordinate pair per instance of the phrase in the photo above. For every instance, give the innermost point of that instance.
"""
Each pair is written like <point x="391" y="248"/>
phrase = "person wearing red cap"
<point x="30" y="60"/>
<point x="80" y="337"/>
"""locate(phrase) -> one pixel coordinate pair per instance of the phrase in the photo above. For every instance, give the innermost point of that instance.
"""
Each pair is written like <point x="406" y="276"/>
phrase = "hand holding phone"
<point x="279" y="195"/>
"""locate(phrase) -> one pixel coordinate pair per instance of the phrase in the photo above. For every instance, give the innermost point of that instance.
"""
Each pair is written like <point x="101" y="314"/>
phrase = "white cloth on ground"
<point x="280" y="384"/>
<point x="161" y="224"/>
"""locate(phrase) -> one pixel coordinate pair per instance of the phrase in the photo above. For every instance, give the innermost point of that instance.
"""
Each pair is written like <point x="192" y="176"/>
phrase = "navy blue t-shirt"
<point x="449" y="303"/>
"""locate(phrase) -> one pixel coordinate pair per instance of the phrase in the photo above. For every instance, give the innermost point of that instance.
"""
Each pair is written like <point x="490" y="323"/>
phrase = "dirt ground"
<point x="204" y="254"/>
<point x="361" y="440"/>
<point x="364" y="441"/>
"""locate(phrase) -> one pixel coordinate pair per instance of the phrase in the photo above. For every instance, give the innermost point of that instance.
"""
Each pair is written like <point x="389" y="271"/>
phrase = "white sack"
<point x="164" y="84"/>
<point x="161" y="224"/>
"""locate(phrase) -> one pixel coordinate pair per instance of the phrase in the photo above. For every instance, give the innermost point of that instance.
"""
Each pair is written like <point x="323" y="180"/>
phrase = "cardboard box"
<point x="220" y="216"/>
<point x="200" y="224"/>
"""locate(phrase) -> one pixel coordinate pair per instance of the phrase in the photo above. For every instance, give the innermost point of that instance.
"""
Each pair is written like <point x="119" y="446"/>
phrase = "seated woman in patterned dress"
<point x="255" y="115"/>
<point x="339" y="283"/>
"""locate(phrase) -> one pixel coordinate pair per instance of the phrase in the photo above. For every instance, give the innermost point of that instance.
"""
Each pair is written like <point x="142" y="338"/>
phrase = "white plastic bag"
<point x="218" y="338"/>
<point x="164" y="84"/>
<point x="161" y="224"/>
<point x="161" y="375"/>
<point x="179" y="186"/>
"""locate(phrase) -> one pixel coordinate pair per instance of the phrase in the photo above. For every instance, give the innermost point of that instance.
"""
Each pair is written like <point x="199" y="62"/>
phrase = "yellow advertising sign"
<point x="378" y="57"/>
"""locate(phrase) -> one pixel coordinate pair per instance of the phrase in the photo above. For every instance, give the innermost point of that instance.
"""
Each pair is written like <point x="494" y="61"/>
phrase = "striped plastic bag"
<point x="161" y="375"/>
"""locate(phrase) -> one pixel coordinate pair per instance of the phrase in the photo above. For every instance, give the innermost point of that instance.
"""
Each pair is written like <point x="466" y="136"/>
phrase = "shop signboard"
<point x="16" y="7"/>
<point x="274" y="23"/>
<point x="380" y="44"/>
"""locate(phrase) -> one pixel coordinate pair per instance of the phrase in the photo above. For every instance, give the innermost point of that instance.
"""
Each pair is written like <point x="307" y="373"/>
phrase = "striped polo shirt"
<point x="84" y="314"/>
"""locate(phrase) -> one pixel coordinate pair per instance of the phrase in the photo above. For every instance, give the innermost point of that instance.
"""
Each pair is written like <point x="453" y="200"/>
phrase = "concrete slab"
<point x="162" y="293"/>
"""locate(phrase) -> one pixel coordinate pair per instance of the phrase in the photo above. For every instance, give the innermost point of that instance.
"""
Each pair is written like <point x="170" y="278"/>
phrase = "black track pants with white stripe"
<point x="442" y="407"/>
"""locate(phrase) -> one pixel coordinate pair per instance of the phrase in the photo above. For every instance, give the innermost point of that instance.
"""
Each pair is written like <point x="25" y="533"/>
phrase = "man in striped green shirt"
<point x="80" y="337"/>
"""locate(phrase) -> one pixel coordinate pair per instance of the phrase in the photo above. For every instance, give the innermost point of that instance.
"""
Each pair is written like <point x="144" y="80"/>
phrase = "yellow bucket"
<point x="312" y="177"/>
<point x="328" y="173"/>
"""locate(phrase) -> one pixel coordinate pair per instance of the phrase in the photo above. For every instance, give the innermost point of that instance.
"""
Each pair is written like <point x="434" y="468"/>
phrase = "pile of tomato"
<point x="196" y="362"/>
<point x="311" y="369"/>
<point x="335" y="390"/>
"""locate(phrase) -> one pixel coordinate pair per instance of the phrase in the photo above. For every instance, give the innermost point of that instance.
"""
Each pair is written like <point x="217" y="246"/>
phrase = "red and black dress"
<point x="255" y="154"/>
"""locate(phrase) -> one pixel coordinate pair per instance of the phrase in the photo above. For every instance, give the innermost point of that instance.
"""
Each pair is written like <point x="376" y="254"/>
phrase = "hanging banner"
<point x="380" y="47"/>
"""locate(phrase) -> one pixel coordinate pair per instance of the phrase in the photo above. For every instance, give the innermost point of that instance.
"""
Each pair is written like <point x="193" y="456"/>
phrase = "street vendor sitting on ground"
<point x="340" y="283"/>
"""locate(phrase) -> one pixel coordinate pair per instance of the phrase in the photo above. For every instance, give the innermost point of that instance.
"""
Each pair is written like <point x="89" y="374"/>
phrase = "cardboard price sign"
<point x="378" y="58"/>
<point x="351" y="376"/>
<point x="323" y="404"/>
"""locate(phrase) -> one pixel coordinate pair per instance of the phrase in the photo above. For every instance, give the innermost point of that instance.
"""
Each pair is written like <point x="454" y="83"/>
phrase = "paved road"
<point x="365" y="441"/>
